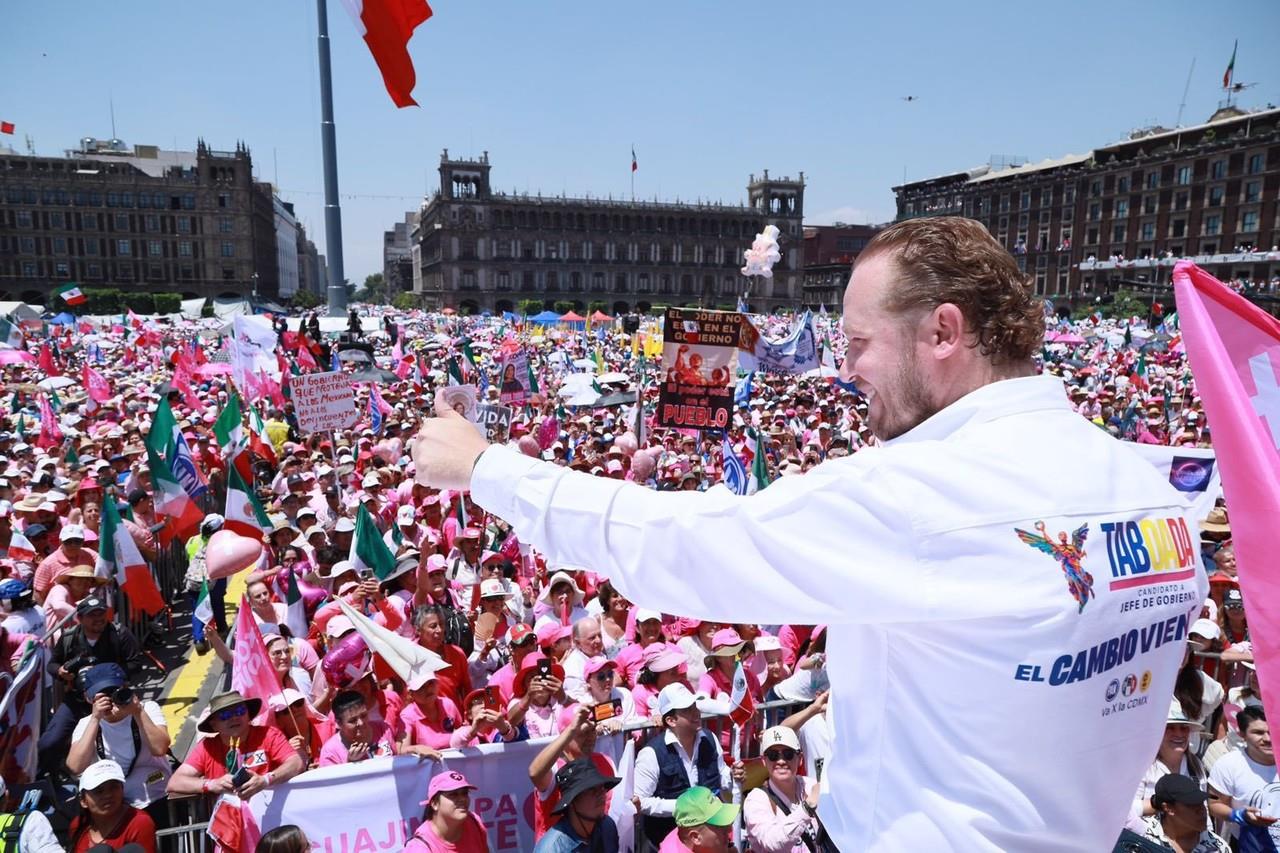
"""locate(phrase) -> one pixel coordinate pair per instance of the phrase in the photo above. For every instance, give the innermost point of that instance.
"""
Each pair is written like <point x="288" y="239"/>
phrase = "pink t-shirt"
<point x="334" y="750"/>
<point x="673" y="844"/>
<point x="474" y="839"/>
<point x="424" y="733"/>
<point x="643" y="694"/>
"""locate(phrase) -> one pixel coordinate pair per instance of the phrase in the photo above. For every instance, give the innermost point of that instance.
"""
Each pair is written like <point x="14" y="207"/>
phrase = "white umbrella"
<point x="56" y="382"/>
<point x="584" y="364"/>
<point x="613" y="377"/>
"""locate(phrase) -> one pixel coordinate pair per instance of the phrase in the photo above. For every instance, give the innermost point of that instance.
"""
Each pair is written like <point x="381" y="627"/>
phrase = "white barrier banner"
<point x="376" y="804"/>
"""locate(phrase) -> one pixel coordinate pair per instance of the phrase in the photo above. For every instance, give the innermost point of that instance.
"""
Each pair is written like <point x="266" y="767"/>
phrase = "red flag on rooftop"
<point x="6" y="127"/>
<point x="386" y="26"/>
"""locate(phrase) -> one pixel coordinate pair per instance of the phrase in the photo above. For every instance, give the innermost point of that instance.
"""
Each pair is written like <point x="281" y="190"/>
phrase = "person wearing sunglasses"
<point x="782" y="814"/>
<point x="241" y="757"/>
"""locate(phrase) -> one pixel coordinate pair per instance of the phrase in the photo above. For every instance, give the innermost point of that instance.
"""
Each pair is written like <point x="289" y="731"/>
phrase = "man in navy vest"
<point x="684" y="755"/>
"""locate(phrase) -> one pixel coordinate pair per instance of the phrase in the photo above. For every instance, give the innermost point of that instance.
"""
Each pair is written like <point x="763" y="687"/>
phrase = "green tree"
<point x="167" y="303"/>
<point x="529" y="306"/>
<point x="305" y="300"/>
<point x="593" y="307"/>
<point x="374" y="290"/>
<point x="406" y="301"/>
<point x="1121" y="304"/>
<point x="562" y="307"/>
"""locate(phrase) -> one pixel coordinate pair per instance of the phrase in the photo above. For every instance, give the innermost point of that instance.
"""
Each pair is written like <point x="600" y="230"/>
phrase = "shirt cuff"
<point x="495" y="477"/>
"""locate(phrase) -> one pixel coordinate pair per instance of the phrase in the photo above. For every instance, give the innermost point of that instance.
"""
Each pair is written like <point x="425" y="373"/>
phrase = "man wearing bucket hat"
<point x="448" y="824"/>
<point x="241" y="758"/>
<point x="583" y="823"/>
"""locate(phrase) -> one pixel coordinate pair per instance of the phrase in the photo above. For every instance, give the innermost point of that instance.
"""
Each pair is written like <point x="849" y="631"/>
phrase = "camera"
<point x="122" y="695"/>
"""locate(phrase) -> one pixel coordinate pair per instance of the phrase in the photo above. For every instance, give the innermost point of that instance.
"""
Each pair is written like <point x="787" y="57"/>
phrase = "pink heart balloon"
<point x="228" y="553"/>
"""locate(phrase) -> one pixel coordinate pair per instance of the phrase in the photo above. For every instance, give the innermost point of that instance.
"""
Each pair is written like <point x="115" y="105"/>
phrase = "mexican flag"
<point x="71" y="294"/>
<point x="259" y="442"/>
<point x="1231" y="67"/>
<point x="20" y="547"/>
<point x="244" y="514"/>
<point x="119" y="559"/>
<point x="295" y="613"/>
<point x="182" y="516"/>
<point x="386" y="26"/>
<point x="742" y="706"/>
<point x="10" y="334"/>
<point x="203" y="612"/>
<point x="368" y="550"/>
<point x="759" y="467"/>
<point x="228" y="429"/>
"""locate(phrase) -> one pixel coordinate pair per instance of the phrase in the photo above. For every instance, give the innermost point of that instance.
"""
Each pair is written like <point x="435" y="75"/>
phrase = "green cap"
<point x="697" y="806"/>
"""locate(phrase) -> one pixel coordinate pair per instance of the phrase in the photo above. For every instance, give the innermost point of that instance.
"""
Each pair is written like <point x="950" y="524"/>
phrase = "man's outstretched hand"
<point x="446" y="448"/>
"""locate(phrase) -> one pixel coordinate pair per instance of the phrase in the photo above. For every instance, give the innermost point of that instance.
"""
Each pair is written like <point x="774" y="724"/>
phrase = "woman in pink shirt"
<point x="448" y="824"/>
<point x="630" y="658"/>
<point x="662" y="666"/>
<point x="429" y="719"/>
<point x="70" y="587"/>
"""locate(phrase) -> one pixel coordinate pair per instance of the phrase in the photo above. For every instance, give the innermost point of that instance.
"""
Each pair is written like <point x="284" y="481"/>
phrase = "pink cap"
<point x="660" y="657"/>
<point x="724" y="638"/>
<point x="446" y="780"/>
<point x="594" y="665"/>
<point x="552" y="632"/>
<point x="337" y="626"/>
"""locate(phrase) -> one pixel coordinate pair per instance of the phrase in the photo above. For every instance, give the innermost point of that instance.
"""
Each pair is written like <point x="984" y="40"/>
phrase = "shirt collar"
<point x="988" y="403"/>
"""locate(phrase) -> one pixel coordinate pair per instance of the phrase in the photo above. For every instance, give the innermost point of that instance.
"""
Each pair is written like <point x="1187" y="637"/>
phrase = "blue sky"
<point x="558" y="91"/>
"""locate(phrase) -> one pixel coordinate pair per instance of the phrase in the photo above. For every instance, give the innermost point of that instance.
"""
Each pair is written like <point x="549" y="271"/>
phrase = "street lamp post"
<point x="254" y="279"/>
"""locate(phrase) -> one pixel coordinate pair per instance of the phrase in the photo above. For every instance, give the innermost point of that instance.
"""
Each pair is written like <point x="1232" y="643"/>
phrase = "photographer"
<point x="92" y="640"/>
<point x="130" y="732"/>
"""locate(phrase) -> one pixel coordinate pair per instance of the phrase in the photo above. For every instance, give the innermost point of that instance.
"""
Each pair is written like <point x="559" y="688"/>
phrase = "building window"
<point x="184" y="224"/>
<point x="27" y="245"/>
<point x="1218" y="170"/>
<point x="28" y="269"/>
<point x="122" y="222"/>
<point x="57" y="220"/>
<point x="61" y="269"/>
<point x="1179" y="228"/>
<point x="1024" y="203"/>
<point x="24" y="219"/>
<point x="123" y="248"/>
<point x="1216" y="195"/>
<point x="1091" y="237"/>
<point x="59" y="245"/>
<point x="224" y="200"/>
<point x="95" y="270"/>
<point x="1153" y="180"/>
<point x="1183" y="176"/>
<point x="1150" y="204"/>
<point x="1095" y="189"/>
<point x="1252" y="191"/>
<point x="1148" y="231"/>
<point x="1249" y="219"/>
<point x="151" y="222"/>
<point x="154" y="249"/>
<point x="184" y="248"/>
<point x="1117" y="234"/>
<point x="1069" y="194"/>
<point x="224" y="225"/>
<point x="1256" y="163"/>
<point x="126" y="199"/>
<point x="228" y="249"/>
<point x="188" y="202"/>
<point x="1122" y="208"/>
<point x="1213" y="224"/>
<point x="1122" y="184"/>
<point x="89" y="221"/>
<point x="1095" y="212"/>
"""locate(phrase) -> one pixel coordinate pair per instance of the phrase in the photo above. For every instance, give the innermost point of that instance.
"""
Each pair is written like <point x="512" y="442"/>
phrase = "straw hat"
<point x="82" y="571"/>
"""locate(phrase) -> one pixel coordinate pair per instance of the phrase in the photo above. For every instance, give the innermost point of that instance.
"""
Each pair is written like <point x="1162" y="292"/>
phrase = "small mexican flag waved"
<point x="295" y="613"/>
<point x="244" y="514"/>
<point x="368" y="551"/>
<point x="203" y="612"/>
<point x="71" y="294"/>
<point x="182" y="515"/>
<point x="119" y="559"/>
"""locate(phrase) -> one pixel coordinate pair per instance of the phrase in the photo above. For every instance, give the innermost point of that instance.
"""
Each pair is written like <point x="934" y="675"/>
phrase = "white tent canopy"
<point x="20" y="311"/>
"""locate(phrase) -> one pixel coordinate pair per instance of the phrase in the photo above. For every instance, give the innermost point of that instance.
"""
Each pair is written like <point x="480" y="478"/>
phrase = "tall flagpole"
<point x="337" y="290"/>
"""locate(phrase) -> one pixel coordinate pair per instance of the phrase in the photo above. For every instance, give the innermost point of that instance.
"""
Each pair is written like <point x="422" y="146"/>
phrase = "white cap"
<point x="282" y="700"/>
<point x="370" y="481"/>
<point x="404" y="515"/>
<point x="643" y="615"/>
<point x="1205" y="628"/>
<point x="99" y="773"/>
<point x="71" y="531"/>
<point x="492" y="588"/>
<point x="344" y="525"/>
<point x="767" y="643"/>
<point x="677" y="697"/>
<point x="324" y="470"/>
<point x="779" y="736"/>
<point x="337" y="626"/>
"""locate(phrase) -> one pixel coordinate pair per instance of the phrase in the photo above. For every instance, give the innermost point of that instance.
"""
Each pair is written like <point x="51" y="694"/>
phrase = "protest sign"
<point x="513" y="384"/>
<point x="374" y="804"/>
<point x="493" y="418"/>
<point x="699" y="353"/>
<point x="796" y="353"/>
<point x="324" y="401"/>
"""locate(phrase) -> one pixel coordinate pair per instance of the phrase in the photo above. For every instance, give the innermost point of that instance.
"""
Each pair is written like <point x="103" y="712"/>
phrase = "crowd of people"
<point x="530" y="650"/>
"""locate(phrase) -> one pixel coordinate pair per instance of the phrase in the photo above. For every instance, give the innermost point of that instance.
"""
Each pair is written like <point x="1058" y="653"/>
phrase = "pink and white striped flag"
<point x="1234" y="350"/>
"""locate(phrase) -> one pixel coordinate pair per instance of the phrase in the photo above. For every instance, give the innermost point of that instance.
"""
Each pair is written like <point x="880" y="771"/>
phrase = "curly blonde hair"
<point x="951" y="259"/>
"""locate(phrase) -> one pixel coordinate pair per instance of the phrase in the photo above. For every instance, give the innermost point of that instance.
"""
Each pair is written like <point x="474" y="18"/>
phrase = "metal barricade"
<point x="188" y="827"/>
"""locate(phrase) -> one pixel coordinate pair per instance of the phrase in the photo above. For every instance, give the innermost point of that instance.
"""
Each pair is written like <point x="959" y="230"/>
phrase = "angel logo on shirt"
<point x="1069" y="554"/>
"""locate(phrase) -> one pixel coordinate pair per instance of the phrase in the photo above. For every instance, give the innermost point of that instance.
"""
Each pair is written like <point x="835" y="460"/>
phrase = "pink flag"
<point x="1234" y="350"/>
<point x="98" y="388"/>
<point x="50" y="432"/>
<point x="405" y="367"/>
<point x="306" y="360"/>
<point x="548" y="432"/>
<point x="251" y="670"/>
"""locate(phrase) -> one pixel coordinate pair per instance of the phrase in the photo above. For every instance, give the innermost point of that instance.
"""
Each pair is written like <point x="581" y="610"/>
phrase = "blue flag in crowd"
<point x="735" y="473"/>
<point x="742" y="394"/>
<point x="796" y="353"/>
<point x="334" y="364"/>
<point x="375" y="413"/>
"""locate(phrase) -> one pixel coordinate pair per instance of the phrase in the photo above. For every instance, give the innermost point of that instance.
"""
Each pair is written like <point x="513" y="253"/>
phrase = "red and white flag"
<point x="120" y="559"/>
<point x="742" y="704"/>
<point x="20" y="548"/>
<point x="251" y="670"/>
<point x="1234" y="350"/>
<point x="386" y="26"/>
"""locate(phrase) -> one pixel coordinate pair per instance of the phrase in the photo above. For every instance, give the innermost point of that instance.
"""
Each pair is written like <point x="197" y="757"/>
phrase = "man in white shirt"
<point x="1237" y="776"/>
<point x="949" y="562"/>
<point x="587" y="646"/>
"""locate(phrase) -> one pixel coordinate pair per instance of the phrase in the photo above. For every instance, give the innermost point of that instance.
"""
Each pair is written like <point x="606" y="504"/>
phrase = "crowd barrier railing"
<point x="189" y="815"/>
